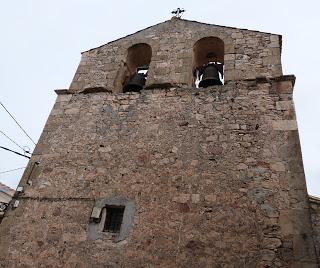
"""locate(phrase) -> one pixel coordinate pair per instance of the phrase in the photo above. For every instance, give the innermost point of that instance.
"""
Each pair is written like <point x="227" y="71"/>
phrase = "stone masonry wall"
<point x="216" y="176"/>
<point x="315" y="219"/>
<point x="248" y="54"/>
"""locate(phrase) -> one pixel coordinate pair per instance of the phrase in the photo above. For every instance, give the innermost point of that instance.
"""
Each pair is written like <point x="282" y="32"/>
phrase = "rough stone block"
<point x="229" y="57"/>
<point x="267" y="255"/>
<point x="210" y="198"/>
<point x="195" y="198"/>
<point x="232" y="74"/>
<point x="284" y="105"/>
<point x="271" y="243"/>
<point x="64" y="98"/>
<point x="182" y="198"/>
<point x="242" y="166"/>
<point x="303" y="248"/>
<point x="278" y="166"/>
<point x="295" y="221"/>
<point x="57" y="111"/>
<point x="271" y="60"/>
<point x="274" y="38"/>
<point x="284" y="87"/>
<point x="285" y="125"/>
<point x="72" y="111"/>
<point x="296" y="180"/>
<point x="237" y="35"/>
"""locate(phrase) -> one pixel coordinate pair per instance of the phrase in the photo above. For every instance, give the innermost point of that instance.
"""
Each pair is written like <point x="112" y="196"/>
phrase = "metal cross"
<point x="178" y="12"/>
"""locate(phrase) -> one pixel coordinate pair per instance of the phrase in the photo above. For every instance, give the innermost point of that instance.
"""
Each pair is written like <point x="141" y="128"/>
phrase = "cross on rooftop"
<point x="178" y="12"/>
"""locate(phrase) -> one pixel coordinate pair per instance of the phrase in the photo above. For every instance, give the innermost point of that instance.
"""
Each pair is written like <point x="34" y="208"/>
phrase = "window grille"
<point x="113" y="219"/>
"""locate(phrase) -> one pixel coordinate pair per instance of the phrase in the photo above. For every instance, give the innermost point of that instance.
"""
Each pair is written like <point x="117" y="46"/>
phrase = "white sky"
<point x="41" y="41"/>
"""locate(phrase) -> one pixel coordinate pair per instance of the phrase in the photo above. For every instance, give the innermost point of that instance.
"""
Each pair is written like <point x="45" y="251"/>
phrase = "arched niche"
<point x="206" y="51"/>
<point x="136" y="66"/>
<point x="138" y="55"/>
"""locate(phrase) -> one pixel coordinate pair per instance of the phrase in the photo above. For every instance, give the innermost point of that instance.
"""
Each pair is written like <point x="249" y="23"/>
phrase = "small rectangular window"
<point x="113" y="219"/>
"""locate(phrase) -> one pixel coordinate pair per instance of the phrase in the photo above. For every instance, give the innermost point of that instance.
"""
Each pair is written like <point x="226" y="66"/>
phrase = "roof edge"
<point x="314" y="199"/>
<point x="174" y="18"/>
<point x="6" y="190"/>
<point x="125" y="36"/>
<point x="231" y="27"/>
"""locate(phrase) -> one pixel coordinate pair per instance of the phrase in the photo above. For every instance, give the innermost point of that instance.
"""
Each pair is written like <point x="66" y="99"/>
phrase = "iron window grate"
<point x="113" y="219"/>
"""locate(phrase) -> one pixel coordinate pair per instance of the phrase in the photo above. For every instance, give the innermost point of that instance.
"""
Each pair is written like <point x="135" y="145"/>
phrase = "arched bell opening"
<point x="208" y="62"/>
<point x="137" y="66"/>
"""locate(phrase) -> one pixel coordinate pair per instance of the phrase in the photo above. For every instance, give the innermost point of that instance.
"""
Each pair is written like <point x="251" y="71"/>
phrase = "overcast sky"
<point x="41" y="41"/>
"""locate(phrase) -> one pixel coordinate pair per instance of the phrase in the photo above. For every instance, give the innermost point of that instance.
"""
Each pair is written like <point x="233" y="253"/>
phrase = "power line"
<point x="17" y="123"/>
<point x="14" y="142"/>
<point x="4" y="148"/>
<point x="7" y="171"/>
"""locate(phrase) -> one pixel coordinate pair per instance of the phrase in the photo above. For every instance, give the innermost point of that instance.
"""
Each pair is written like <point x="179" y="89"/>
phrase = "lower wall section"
<point x="45" y="234"/>
<point x="186" y="233"/>
<point x="193" y="231"/>
<point x="214" y="178"/>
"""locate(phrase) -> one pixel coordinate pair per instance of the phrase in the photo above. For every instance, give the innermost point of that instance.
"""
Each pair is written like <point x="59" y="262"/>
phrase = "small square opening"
<point x="113" y="219"/>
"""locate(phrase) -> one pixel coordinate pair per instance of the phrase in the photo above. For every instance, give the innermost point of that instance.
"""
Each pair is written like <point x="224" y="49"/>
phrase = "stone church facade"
<point x="173" y="174"/>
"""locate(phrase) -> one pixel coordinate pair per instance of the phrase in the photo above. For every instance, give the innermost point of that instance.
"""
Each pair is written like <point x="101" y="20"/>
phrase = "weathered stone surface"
<point x="272" y="243"/>
<point x="267" y="255"/>
<point x="278" y="166"/>
<point x="285" y="125"/>
<point x="284" y="87"/>
<point x="171" y="170"/>
<point x="64" y="98"/>
<point x="295" y="221"/>
<point x="315" y="220"/>
<point x="243" y="55"/>
<point x="215" y="174"/>
<point x="284" y="105"/>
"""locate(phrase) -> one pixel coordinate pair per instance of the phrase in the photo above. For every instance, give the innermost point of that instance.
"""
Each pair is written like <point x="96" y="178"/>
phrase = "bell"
<point x="210" y="76"/>
<point x="135" y="84"/>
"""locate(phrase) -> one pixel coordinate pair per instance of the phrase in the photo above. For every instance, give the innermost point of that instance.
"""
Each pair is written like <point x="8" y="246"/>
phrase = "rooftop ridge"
<point x="174" y="18"/>
<point x="6" y="189"/>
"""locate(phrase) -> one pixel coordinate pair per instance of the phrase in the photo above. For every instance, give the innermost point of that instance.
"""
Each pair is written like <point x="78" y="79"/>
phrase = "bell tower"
<point x="175" y="146"/>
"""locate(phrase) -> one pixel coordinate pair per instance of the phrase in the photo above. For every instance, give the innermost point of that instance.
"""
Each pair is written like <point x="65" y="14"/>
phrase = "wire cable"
<point x="14" y="142"/>
<point x="17" y="123"/>
<point x="4" y="148"/>
<point x="7" y="171"/>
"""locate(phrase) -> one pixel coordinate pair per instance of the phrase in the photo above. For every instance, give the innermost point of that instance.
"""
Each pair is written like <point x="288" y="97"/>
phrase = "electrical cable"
<point x="17" y="123"/>
<point x="14" y="142"/>
<point x="4" y="148"/>
<point x="7" y="171"/>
